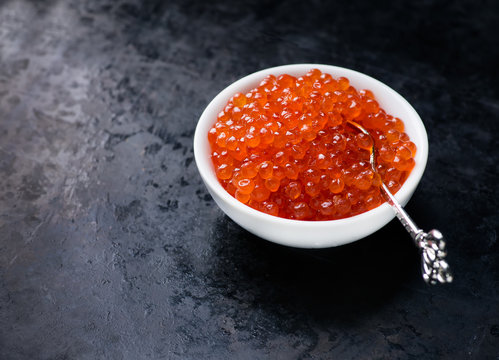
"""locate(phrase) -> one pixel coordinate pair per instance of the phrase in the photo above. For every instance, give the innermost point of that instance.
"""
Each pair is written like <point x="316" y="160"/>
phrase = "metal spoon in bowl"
<point x="432" y="245"/>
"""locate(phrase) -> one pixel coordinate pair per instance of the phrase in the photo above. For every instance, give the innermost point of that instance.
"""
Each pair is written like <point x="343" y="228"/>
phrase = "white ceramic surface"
<point x="310" y="234"/>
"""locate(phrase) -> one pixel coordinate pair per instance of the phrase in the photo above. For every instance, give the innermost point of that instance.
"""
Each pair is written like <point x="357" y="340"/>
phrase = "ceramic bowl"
<point x="310" y="234"/>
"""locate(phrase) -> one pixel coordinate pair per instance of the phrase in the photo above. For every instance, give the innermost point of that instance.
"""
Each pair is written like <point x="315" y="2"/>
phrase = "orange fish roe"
<point x="285" y="149"/>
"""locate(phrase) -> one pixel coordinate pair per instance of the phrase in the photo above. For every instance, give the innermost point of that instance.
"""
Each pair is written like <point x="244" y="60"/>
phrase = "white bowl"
<point x="310" y="234"/>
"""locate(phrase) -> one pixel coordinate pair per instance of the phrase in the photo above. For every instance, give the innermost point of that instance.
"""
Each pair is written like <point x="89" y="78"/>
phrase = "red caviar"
<point x="285" y="148"/>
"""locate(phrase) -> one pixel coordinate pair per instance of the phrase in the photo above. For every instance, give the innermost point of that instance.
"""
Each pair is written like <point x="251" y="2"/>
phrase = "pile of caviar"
<point x="285" y="148"/>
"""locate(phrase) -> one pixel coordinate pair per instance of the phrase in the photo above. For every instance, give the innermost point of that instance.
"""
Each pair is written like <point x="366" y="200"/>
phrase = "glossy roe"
<point x="284" y="148"/>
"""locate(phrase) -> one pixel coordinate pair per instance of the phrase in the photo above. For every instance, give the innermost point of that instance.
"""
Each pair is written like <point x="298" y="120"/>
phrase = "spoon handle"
<point x="432" y="245"/>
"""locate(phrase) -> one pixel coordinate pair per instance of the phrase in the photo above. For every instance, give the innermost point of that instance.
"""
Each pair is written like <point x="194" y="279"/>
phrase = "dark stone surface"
<point x="111" y="247"/>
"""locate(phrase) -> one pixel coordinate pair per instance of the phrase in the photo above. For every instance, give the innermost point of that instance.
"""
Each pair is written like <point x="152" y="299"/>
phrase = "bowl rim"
<point x="243" y="84"/>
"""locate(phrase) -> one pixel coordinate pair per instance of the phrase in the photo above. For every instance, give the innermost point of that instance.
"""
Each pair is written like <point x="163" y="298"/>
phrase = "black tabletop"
<point x="111" y="246"/>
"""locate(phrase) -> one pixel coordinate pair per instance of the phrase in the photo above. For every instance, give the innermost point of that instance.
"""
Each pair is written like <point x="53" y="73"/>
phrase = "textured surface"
<point x="110" y="246"/>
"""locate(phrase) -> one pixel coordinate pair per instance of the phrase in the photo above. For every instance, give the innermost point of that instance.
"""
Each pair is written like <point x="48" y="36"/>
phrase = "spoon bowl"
<point x="310" y="234"/>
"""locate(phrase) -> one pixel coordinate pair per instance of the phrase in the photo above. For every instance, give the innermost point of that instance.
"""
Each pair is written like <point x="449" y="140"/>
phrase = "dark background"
<point x="110" y="245"/>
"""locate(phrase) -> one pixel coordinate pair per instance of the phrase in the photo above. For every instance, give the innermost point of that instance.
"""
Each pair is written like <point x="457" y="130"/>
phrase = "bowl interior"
<point x="325" y="234"/>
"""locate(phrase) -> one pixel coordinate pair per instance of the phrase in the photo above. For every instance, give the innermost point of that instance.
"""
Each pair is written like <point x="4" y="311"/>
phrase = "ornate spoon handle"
<point x="432" y="245"/>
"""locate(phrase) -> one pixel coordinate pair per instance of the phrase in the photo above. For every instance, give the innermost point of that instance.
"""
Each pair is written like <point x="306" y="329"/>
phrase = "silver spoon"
<point x="432" y="245"/>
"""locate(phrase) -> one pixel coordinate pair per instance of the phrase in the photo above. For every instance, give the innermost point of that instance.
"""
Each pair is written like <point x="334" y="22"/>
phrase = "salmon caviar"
<point x="285" y="148"/>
